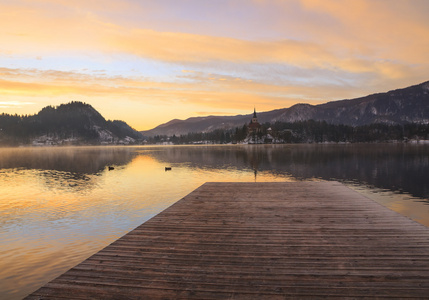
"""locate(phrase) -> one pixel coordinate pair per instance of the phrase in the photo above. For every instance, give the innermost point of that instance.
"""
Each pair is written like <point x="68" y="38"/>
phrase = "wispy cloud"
<point x="354" y="48"/>
<point x="8" y="104"/>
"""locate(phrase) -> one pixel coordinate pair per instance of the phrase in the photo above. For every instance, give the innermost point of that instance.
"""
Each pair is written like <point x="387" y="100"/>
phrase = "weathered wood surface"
<point x="256" y="241"/>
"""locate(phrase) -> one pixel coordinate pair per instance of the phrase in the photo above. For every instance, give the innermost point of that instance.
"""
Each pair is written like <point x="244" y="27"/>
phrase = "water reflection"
<point x="72" y="169"/>
<point x="86" y="160"/>
<point x="396" y="167"/>
<point x="60" y="205"/>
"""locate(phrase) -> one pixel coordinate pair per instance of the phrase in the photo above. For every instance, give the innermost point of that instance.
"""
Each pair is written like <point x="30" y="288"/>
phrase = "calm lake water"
<point x="58" y="206"/>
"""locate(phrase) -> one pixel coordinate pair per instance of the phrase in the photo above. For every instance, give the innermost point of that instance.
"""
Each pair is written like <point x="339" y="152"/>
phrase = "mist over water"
<point x="58" y="206"/>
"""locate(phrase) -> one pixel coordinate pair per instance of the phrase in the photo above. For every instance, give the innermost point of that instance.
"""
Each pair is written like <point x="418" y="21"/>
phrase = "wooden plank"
<point x="259" y="240"/>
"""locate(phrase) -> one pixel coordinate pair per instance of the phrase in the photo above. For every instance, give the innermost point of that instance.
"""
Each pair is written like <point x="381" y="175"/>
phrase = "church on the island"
<point x="255" y="133"/>
<point x="254" y="127"/>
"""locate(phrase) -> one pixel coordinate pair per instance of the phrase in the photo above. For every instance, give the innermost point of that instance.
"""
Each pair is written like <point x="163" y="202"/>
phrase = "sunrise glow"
<point x="147" y="62"/>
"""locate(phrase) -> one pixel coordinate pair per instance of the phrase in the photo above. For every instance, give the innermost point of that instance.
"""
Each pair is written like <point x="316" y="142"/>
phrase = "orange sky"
<point x="147" y="62"/>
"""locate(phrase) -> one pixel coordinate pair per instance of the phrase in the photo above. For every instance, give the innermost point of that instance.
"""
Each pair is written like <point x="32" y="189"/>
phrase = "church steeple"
<point x="255" y="118"/>
<point x="253" y="128"/>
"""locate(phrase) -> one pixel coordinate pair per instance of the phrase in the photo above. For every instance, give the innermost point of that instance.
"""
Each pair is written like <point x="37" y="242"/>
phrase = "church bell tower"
<point x="254" y="119"/>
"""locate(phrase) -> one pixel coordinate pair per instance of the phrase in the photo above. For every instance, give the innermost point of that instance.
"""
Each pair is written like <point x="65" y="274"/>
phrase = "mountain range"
<point x="401" y="106"/>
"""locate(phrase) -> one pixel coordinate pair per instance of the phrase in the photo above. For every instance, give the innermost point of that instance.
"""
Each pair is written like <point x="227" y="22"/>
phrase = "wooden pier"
<point x="259" y="241"/>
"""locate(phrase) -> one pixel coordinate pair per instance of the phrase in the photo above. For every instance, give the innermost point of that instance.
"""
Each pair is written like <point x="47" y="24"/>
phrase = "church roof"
<point x="254" y="125"/>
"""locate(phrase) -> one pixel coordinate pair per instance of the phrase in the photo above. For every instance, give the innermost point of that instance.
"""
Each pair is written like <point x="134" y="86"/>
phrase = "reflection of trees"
<point x="396" y="167"/>
<point x="213" y="157"/>
<point x="76" y="182"/>
<point x="71" y="168"/>
<point x="81" y="160"/>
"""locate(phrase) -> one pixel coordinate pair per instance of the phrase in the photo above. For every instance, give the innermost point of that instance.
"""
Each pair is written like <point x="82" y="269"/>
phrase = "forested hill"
<point x="72" y="123"/>
<point x="398" y="107"/>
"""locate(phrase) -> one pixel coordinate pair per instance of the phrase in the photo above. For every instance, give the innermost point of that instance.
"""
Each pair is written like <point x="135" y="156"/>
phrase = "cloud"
<point x="204" y="89"/>
<point x="191" y="48"/>
<point x="197" y="88"/>
<point x="394" y="30"/>
<point x="356" y="48"/>
<point x="9" y="104"/>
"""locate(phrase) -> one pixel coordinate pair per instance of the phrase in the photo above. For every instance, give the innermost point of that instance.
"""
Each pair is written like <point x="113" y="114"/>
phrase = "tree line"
<point x="304" y="132"/>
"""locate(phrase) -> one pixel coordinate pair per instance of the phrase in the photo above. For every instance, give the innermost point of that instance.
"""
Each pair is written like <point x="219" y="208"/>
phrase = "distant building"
<point x="268" y="137"/>
<point x="254" y="127"/>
